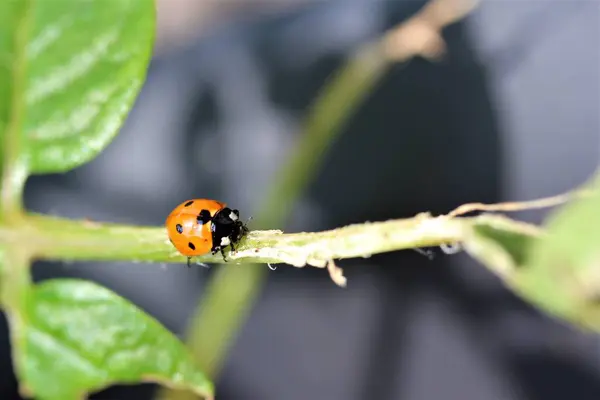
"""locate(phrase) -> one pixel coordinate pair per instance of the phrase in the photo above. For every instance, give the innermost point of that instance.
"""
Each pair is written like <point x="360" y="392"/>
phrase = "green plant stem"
<point x="53" y="238"/>
<point x="15" y="291"/>
<point x="14" y="171"/>
<point x="341" y="96"/>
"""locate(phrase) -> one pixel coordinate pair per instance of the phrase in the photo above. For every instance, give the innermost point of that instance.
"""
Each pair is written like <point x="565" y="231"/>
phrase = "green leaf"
<point x="70" y="71"/>
<point x="563" y="272"/>
<point x="556" y="269"/>
<point x="501" y="244"/>
<point x="80" y="337"/>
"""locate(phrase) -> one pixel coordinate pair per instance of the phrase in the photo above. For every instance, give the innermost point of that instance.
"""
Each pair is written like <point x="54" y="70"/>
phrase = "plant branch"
<point x="520" y="205"/>
<point x="422" y="34"/>
<point x="60" y="239"/>
<point x="56" y="238"/>
<point x="14" y="171"/>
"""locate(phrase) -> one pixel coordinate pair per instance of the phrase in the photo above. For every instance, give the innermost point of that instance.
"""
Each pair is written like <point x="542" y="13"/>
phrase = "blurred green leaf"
<point x="500" y="243"/>
<point x="69" y="73"/>
<point x="80" y="337"/>
<point x="563" y="272"/>
<point x="557" y="268"/>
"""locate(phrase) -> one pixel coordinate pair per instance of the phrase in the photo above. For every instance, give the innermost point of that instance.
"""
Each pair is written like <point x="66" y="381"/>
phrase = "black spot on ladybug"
<point x="179" y="228"/>
<point x="191" y="246"/>
<point x="189" y="203"/>
<point x="203" y="217"/>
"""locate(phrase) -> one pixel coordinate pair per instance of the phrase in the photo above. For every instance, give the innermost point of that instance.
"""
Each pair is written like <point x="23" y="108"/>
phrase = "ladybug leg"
<point x="188" y="262"/>
<point x="216" y="249"/>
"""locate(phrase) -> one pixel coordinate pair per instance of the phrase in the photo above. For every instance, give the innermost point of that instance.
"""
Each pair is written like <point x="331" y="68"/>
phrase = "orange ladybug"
<point x="198" y="226"/>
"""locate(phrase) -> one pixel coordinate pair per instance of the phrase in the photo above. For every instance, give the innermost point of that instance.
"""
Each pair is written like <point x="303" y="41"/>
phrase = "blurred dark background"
<point x="510" y="113"/>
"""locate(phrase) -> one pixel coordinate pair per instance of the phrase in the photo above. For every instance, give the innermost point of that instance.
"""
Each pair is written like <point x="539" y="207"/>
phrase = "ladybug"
<point x="198" y="226"/>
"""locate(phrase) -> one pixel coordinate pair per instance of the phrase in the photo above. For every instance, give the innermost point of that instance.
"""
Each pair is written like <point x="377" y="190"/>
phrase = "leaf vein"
<point x="62" y="76"/>
<point x="49" y="341"/>
<point x="48" y="36"/>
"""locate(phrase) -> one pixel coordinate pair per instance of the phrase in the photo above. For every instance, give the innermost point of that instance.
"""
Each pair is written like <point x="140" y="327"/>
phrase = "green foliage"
<point x="557" y="268"/>
<point x="72" y="69"/>
<point x="69" y="73"/>
<point x="563" y="274"/>
<point x="81" y="336"/>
